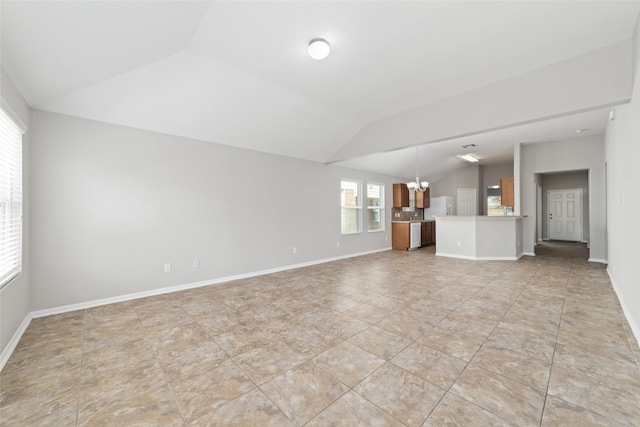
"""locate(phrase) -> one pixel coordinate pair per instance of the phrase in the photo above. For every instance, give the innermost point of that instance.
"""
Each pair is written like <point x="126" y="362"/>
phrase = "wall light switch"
<point x="337" y="244"/>
<point x="196" y="263"/>
<point x="167" y="267"/>
<point x="295" y="250"/>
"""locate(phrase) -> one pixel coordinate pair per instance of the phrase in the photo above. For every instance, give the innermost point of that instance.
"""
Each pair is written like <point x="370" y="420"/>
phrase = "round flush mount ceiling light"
<point x="319" y="49"/>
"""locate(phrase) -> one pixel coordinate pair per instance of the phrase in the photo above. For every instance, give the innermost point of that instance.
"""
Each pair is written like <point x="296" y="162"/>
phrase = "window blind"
<point x="10" y="199"/>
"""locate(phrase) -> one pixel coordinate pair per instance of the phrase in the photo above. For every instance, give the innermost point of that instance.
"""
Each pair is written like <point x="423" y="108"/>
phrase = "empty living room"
<point x="315" y="213"/>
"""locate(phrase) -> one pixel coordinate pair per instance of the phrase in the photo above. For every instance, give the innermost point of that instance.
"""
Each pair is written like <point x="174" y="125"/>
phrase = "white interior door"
<point x="564" y="209"/>
<point x="467" y="203"/>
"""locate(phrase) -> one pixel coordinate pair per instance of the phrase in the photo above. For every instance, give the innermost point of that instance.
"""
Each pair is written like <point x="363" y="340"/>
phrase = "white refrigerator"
<point x="440" y="206"/>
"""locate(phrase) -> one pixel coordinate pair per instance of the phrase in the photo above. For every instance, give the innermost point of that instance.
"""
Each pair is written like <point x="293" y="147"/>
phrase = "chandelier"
<point x="417" y="185"/>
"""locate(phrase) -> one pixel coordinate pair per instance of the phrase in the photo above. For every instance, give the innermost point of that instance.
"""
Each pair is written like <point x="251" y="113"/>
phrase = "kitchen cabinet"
<point x="400" y="235"/>
<point x="423" y="199"/>
<point x="428" y="233"/>
<point x="400" y="196"/>
<point x="507" y="197"/>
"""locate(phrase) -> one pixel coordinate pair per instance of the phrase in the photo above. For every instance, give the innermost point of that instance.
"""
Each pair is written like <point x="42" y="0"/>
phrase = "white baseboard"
<point x="183" y="287"/>
<point x="601" y="261"/>
<point x="528" y="253"/>
<point x="8" y="350"/>
<point x="635" y="326"/>
<point x="13" y="342"/>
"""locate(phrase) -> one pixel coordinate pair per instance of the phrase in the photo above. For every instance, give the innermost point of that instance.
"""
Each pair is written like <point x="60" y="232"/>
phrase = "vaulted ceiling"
<point x="238" y="73"/>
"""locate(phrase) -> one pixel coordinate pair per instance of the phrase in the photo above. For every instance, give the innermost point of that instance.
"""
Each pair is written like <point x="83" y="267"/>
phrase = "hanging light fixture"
<point x="417" y="185"/>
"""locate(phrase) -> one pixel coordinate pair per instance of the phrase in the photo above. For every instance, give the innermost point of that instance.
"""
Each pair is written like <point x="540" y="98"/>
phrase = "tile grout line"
<point x="482" y="345"/>
<point x="555" y="344"/>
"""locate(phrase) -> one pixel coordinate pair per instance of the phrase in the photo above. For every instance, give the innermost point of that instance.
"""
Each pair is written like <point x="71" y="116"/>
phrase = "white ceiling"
<point x="237" y="73"/>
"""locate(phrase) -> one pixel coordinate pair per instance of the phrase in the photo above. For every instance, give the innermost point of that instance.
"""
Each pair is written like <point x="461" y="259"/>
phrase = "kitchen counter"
<point x="479" y="237"/>
<point x="413" y="220"/>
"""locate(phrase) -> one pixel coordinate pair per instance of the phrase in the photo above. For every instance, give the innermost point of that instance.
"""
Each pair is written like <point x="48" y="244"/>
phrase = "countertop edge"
<point x="483" y="217"/>
<point x="413" y="221"/>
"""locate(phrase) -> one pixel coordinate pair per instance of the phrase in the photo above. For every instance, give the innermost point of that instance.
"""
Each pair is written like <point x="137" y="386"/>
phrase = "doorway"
<point x="564" y="214"/>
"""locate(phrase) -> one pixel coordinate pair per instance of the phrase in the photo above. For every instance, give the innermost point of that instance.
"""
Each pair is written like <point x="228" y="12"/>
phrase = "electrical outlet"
<point x="167" y="267"/>
<point x="196" y="263"/>
<point x="295" y="250"/>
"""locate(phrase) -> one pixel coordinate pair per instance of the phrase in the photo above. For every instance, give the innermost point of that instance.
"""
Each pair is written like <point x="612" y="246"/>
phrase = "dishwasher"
<point x="415" y="231"/>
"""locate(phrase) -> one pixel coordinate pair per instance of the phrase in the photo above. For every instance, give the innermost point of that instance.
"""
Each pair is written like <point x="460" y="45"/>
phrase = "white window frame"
<point x="358" y="208"/>
<point x="10" y="197"/>
<point x="379" y="208"/>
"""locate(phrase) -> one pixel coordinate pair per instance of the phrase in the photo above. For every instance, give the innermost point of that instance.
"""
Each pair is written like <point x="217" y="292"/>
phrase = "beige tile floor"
<point x="390" y="339"/>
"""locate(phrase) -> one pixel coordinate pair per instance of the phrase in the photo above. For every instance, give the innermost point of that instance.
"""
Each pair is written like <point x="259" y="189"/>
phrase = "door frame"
<point x="580" y="212"/>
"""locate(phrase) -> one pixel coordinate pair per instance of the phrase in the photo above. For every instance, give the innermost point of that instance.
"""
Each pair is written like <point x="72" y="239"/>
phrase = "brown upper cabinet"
<point x="400" y="196"/>
<point x="507" y="197"/>
<point x="423" y="198"/>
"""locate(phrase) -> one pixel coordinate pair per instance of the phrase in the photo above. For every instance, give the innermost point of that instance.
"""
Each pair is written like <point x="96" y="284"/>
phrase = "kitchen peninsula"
<point x="479" y="237"/>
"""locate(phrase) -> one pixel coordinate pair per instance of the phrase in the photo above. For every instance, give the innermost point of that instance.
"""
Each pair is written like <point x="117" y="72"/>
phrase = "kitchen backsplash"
<point x="405" y="215"/>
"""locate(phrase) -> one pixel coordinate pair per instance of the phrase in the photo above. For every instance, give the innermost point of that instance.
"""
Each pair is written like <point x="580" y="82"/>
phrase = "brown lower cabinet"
<point x="401" y="232"/>
<point x="428" y="234"/>
<point x="400" y="235"/>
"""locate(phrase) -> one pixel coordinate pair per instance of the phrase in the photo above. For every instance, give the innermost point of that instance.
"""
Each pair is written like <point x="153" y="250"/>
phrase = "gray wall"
<point x="112" y="204"/>
<point x="566" y="181"/>
<point x="622" y="141"/>
<point x="14" y="298"/>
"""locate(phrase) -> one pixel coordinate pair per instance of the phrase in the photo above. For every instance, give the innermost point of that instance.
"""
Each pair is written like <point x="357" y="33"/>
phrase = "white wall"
<point x="112" y="205"/>
<point x="585" y="153"/>
<point x="14" y="298"/>
<point x="622" y="147"/>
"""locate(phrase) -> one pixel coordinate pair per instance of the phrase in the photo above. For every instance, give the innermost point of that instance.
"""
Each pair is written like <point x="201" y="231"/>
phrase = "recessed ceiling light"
<point x="319" y="49"/>
<point x="581" y="130"/>
<point x="469" y="158"/>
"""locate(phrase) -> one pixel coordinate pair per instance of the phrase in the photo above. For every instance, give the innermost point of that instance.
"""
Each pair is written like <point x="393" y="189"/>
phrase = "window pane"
<point x="374" y="195"/>
<point x="494" y="206"/>
<point x="350" y="221"/>
<point x="10" y="199"/>
<point x="349" y="193"/>
<point x="375" y="220"/>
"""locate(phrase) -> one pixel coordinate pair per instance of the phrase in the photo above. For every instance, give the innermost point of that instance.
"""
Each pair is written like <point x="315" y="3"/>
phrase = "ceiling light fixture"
<point x="417" y="185"/>
<point x="319" y="49"/>
<point x="469" y="158"/>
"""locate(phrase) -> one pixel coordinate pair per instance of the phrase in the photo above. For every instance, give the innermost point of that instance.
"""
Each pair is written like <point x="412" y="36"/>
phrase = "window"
<point x="351" y="203"/>
<point x="10" y="199"/>
<point x="375" y="207"/>
<point x="494" y="202"/>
